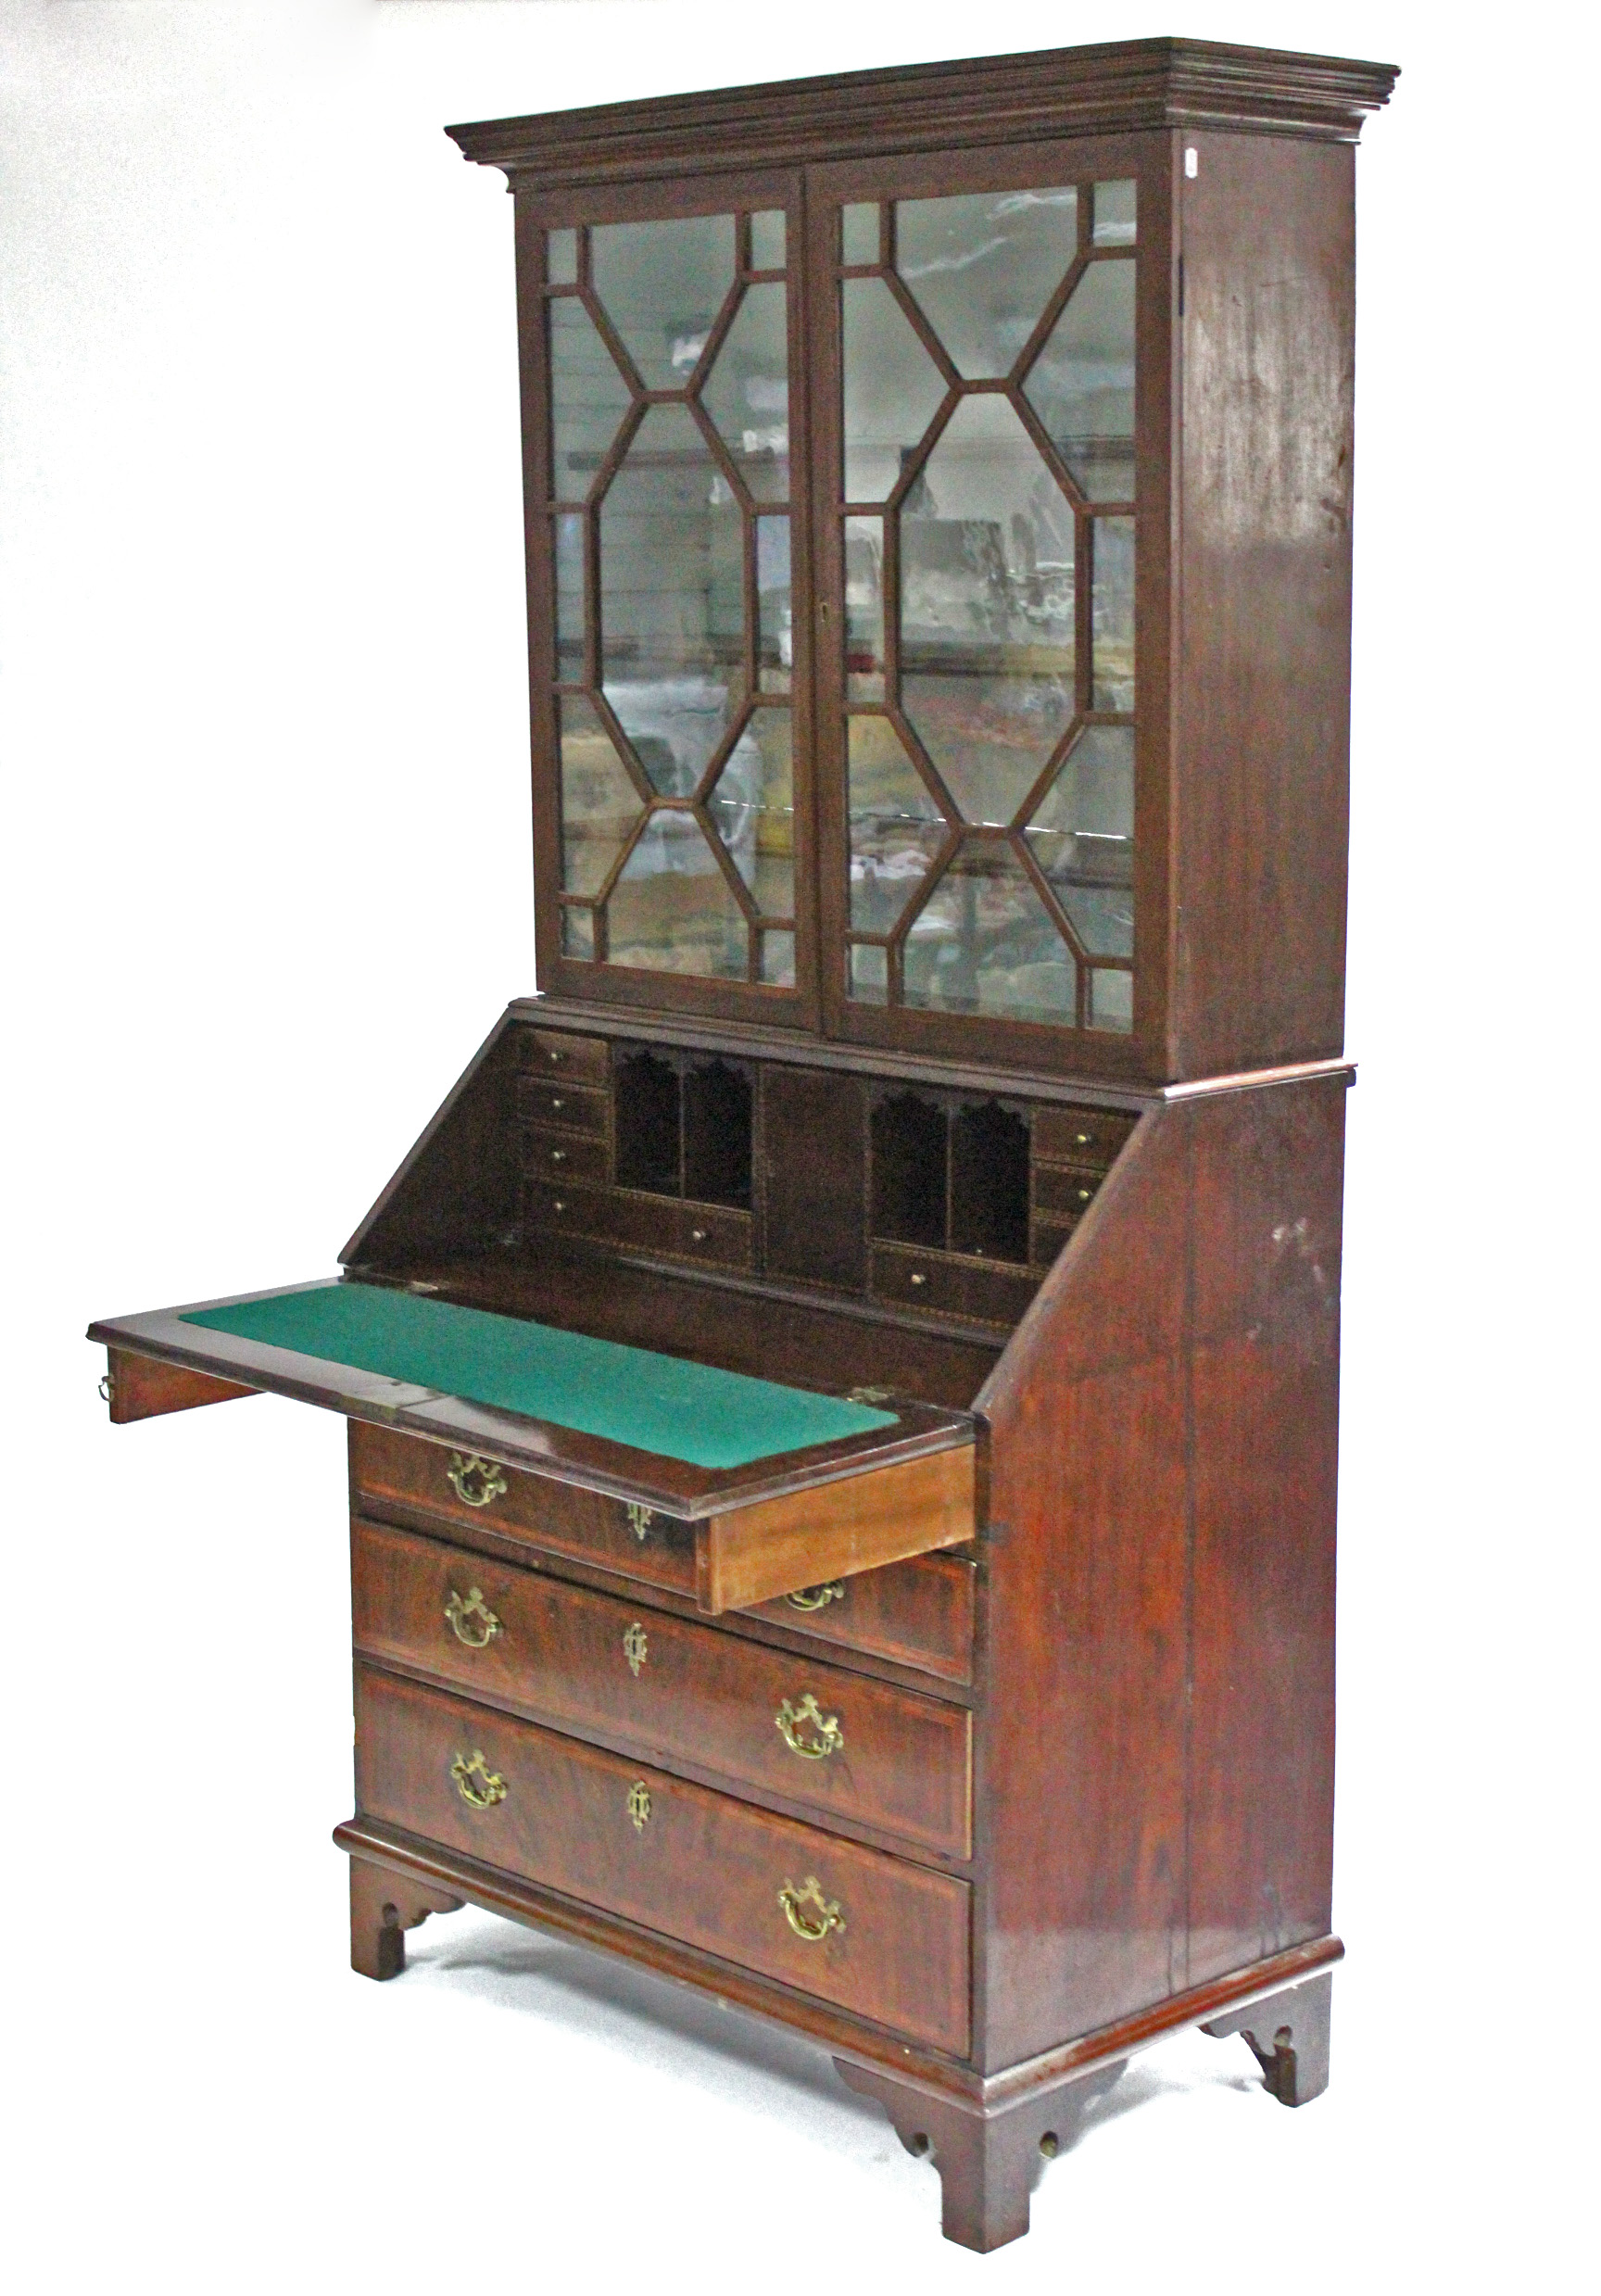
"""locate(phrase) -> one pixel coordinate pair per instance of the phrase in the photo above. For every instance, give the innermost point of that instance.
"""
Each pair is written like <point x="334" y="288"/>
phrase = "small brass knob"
<point x="558" y="1155"/>
<point x="1084" y="1194"/>
<point x="696" y="1235"/>
<point x="475" y="1481"/>
<point x="918" y="1278"/>
<point x="1083" y="1140"/>
<point x="557" y="1205"/>
<point x="556" y="1058"/>
<point x="812" y="1926"/>
<point x="557" y="1101"/>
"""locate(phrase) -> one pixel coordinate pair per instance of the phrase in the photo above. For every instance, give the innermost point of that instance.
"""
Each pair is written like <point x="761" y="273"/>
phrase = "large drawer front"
<point x="692" y="1865"/>
<point x="842" y="1744"/>
<point x="918" y="1613"/>
<point x="390" y="1472"/>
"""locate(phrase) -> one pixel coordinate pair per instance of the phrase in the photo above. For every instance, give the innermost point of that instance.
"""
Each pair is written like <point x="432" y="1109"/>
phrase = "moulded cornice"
<point x="1118" y="87"/>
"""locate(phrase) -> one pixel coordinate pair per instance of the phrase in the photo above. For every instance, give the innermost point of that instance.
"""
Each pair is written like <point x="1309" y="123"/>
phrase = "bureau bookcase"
<point x="844" y="1396"/>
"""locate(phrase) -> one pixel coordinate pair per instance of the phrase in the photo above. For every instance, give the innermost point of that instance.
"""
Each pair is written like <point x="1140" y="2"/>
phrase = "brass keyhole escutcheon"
<point x="639" y="1806"/>
<point x="640" y="1521"/>
<point x="635" y="1647"/>
<point x="471" y="1620"/>
<point x="815" y="1924"/>
<point x="807" y="1730"/>
<point x="475" y="1481"/>
<point x="478" y="1786"/>
<point x="817" y="1597"/>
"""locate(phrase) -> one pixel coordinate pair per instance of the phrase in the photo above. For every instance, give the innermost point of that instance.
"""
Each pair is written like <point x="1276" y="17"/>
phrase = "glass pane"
<point x="672" y="599"/>
<point x="1083" y="838"/>
<point x="983" y="265"/>
<point x="600" y="803"/>
<point x="1082" y="384"/>
<point x="561" y="257"/>
<point x="1112" y="1000"/>
<point x="570" y="598"/>
<point x="767" y="240"/>
<point x="1112" y="613"/>
<point x="779" y="959"/>
<point x="775" y="612"/>
<point x="896" y="828"/>
<point x="892" y="389"/>
<point x="869" y="974"/>
<point x="752" y="807"/>
<point x="1115" y="211"/>
<point x="578" y="934"/>
<point x="747" y="393"/>
<point x="662" y="284"/>
<point x="865" y="609"/>
<point x="987" y="620"/>
<point x="859" y="232"/>
<point x="983" y="942"/>
<point x="588" y="398"/>
<point x="672" y="910"/>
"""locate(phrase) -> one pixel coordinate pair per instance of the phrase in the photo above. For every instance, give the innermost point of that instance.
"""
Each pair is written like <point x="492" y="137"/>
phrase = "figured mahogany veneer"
<point x="697" y="1866"/>
<point x="669" y="1692"/>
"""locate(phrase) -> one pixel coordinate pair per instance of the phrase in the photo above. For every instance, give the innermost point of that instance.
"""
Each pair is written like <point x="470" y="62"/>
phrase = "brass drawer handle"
<point x="817" y="1597"/>
<point x="635" y="1647"/>
<point x="639" y="1806"/>
<point x="793" y="1719"/>
<point x="478" y="1786"/>
<point x="475" y="1481"/>
<point x="471" y="1620"/>
<point x="810" y="1892"/>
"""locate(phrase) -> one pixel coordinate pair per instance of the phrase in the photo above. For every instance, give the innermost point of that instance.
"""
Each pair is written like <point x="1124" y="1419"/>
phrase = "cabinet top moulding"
<point x="1117" y="86"/>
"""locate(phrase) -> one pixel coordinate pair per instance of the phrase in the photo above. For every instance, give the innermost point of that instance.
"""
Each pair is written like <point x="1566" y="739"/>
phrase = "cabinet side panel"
<point x="1080" y="1743"/>
<point x="1266" y="239"/>
<point x="1265" y="1379"/>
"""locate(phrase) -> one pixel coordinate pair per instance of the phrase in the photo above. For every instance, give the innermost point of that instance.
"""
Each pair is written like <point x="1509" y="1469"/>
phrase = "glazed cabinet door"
<point x="663" y="420"/>
<point x="990" y="427"/>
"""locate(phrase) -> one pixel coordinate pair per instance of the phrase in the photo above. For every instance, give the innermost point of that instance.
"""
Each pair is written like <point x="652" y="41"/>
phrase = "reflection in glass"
<point x="1112" y="613"/>
<point x="672" y="599"/>
<point x="752" y="807"/>
<point x="865" y="609"/>
<point x="986" y="609"/>
<point x="983" y="942"/>
<point x="600" y="803"/>
<point x="775" y="612"/>
<point x="859" y="232"/>
<point x="983" y="265"/>
<point x="767" y="240"/>
<point x="892" y="389"/>
<point x="896" y="828"/>
<point x="588" y="398"/>
<point x="672" y="909"/>
<point x="747" y="393"/>
<point x="578" y="934"/>
<point x="1115" y="212"/>
<point x="569" y="538"/>
<point x="561" y="257"/>
<point x="1083" y="838"/>
<point x="662" y="285"/>
<point x="1082" y="384"/>
<point x="779" y="959"/>
<point x="1112" y="1000"/>
<point x="869" y="974"/>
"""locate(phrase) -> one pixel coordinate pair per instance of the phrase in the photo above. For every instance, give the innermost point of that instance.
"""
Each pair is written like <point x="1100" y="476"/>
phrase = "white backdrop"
<point x="266" y="886"/>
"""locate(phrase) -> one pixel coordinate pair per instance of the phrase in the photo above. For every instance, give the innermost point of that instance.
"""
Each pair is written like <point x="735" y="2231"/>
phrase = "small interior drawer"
<point x="558" y="1156"/>
<point x="1064" y="1193"/>
<point x="1087" y="1136"/>
<point x="567" y="1105"/>
<point x="581" y="1060"/>
<point x="947" y="1284"/>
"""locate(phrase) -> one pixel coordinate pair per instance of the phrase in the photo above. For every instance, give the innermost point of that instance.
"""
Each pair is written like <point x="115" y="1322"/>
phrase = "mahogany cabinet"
<point x="843" y="1397"/>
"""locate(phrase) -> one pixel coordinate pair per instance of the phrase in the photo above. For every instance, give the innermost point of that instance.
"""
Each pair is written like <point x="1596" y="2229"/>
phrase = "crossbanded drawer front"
<point x="945" y="1284"/>
<point x="391" y="1472"/>
<point x="1065" y="1195"/>
<point x="852" y="1748"/>
<point x="566" y="1106"/>
<point x="917" y="1614"/>
<point x="872" y="1934"/>
<point x="562" y="1156"/>
<point x="576" y="1060"/>
<point x="1086" y="1136"/>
